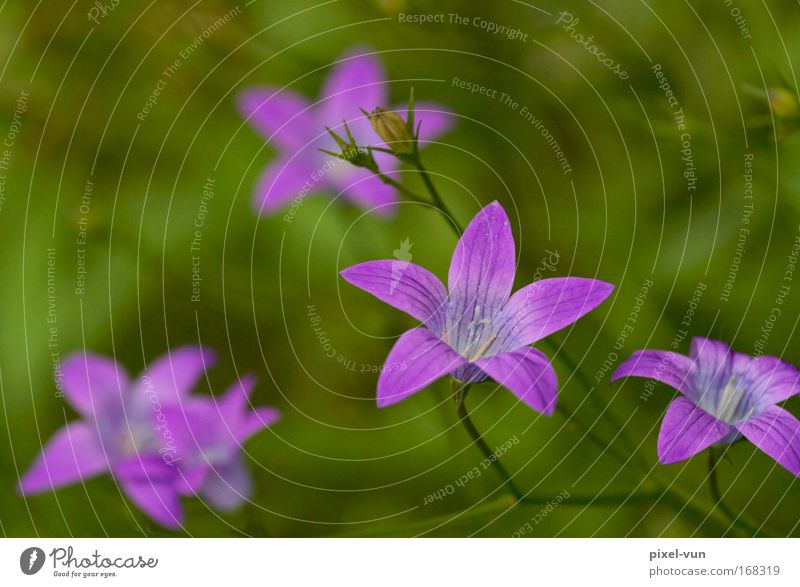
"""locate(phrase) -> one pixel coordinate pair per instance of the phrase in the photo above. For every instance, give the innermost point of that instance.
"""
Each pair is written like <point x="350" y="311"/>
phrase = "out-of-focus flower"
<point x="725" y="395"/>
<point x="129" y="428"/>
<point x="478" y="329"/>
<point x="297" y="126"/>
<point x="392" y="129"/>
<point x="209" y="435"/>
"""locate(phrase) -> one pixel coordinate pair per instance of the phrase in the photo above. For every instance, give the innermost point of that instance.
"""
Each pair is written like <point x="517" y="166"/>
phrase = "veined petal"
<point x="280" y="115"/>
<point x="481" y="273"/>
<point x="152" y="486"/>
<point x="712" y="368"/>
<point x="686" y="430"/>
<point x="405" y="286"/>
<point x="543" y="307"/>
<point x="74" y="453"/>
<point x="285" y="180"/>
<point x="228" y="486"/>
<point x="356" y="81"/>
<point x="94" y="384"/>
<point x="768" y="380"/>
<point x="528" y="374"/>
<point x="174" y="374"/>
<point x="417" y="359"/>
<point x="664" y="366"/>
<point x="777" y="433"/>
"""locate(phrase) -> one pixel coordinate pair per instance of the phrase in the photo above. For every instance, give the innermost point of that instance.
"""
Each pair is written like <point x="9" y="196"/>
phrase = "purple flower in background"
<point x="478" y="329"/>
<point x="297" y="128"/>
<point x="726" y="395"/>
<point x="125" y="429"/>
<point x="209" y="435"/>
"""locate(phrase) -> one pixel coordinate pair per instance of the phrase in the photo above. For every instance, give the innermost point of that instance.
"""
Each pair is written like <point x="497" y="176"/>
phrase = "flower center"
<point x="479" y="336"/>
<point x="730" y="404"/>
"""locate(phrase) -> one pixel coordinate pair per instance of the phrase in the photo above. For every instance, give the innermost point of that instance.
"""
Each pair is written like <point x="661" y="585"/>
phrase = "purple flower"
<point x="726" y="395"/>
<point x="126" y="430"/>
<point x="478" y="329"/>
<point x="208" y="437"/>
<point x="297" y="128"/>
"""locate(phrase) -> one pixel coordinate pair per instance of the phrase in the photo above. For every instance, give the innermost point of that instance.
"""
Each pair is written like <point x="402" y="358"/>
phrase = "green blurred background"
<point x="335" y="464"/>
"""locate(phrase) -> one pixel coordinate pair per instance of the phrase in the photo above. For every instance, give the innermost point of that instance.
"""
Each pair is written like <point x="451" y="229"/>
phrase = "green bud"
<point x="782" y="102"/>
<point x="392" y="129"/>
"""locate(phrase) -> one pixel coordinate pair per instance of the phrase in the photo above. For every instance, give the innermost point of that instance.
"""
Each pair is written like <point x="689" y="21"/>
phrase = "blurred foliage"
<point x="335" y="464"/>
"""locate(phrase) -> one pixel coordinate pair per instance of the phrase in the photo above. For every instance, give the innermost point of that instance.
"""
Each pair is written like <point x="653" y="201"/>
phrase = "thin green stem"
<point x="400" y="187"/>
<point x="569" y="415"/>
<point x="716" y="496"/>
<point x="421" y="526"/>
<point x="459" y="394"/>
<point x="437" y="198"/>
<point x="505" y="503"/>
<point x="572" y="366"/>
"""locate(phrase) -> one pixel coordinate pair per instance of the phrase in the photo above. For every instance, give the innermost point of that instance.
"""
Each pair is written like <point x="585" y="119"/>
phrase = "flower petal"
<point x="768" y="380"/>
<point x="93" y="384"/>
<point x="174" y="374"/>
<point x="152" y="485"/>
<point x="280" y="115"/>
<point x="356" y="81"/>
<point x="664" y="366"/>
<point x="543" y="307"/>
<point x="74" y="453"/>
<point x="234" y="409"/>
<point x="236" y="400"/>
<point x="285" y="180"/>
<point x="686" y="430"/>
<point x="255" y="421"/>
<point x="528" y="374"/>
<point x="712" y="367"/>
<point x="228" y="486"/>
<point x="417" y="359"/>
<point x="405" y="286"/>
<point x="482" y="270"/>
<point x="777" y="433"/>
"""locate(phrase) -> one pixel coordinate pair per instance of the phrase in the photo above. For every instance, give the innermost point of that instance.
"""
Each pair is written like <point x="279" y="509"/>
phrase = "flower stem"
<point x="399" y="187"/>
<point x="437" y="198"/>
<point x="459" y="394"/>
<point x="716" y="496"/>
<point x="572" y="366"/>
<point x="500" y="505"/>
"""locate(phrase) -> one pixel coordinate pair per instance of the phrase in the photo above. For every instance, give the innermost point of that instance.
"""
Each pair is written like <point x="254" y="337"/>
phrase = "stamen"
<point x="483" y="349"/>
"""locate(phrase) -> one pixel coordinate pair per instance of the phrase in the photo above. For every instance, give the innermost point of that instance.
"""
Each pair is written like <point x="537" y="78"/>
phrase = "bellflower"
<point x="127" y="428"/>
<point x="475" y="329"/>
<point x="296" y="127"/>
<point x="208" y="437"/>
<point x="725" y="396"/>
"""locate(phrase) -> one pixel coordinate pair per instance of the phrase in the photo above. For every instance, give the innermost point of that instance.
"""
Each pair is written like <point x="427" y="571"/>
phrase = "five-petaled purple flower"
<point x="726" y="395"/>
<point x="297" y="128"/>
<point x="477" y="329"/>
<point x="156" y="439"/>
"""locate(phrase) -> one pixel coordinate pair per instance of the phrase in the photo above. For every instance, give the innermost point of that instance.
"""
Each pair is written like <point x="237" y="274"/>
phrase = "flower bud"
<point x="782" y="102"/>
<point x="392" y="129"/>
